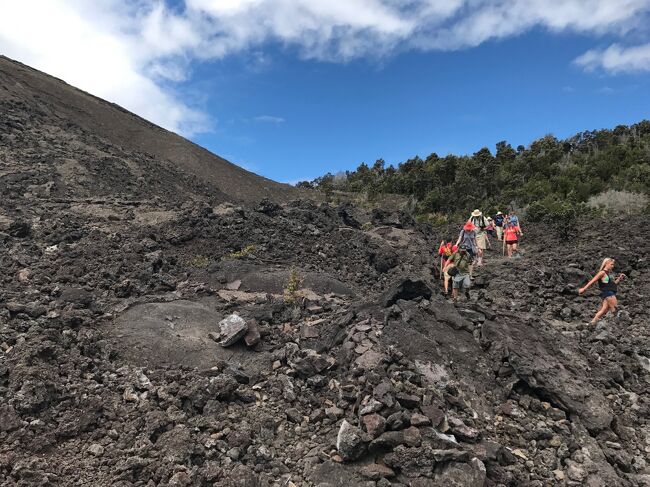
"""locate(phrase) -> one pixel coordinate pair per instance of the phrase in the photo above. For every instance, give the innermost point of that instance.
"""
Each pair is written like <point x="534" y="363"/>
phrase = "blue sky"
<point x="292" y="89"/>
<point x="325" y="116"/>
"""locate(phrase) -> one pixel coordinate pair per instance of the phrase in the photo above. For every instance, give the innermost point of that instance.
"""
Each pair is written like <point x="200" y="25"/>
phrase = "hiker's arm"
<point x="591" y="283"/>
<point x="620" y="277"/>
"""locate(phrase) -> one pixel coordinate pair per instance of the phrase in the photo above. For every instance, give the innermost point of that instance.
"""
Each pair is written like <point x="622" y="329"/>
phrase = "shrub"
<point x="536" y="212"/>
<point x="561" y="216"/>
<point x="613" y="201"/>
<point x="291" y="294"/>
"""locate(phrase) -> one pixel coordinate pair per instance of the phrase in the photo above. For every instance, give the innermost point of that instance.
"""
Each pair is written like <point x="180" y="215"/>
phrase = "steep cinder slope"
<point x="82" y="146"/>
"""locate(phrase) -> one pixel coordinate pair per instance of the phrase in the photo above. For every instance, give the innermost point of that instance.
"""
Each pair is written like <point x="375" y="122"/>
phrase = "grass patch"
<point x="240" y="254"/>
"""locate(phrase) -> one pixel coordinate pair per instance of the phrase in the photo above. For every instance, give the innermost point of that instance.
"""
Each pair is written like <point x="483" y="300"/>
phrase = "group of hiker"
<point x="458" y="260"/>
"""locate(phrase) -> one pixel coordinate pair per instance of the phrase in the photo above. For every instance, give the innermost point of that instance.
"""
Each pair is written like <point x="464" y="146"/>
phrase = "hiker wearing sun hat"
<point x="480" y="222"/>
<point x="498" y="223"/>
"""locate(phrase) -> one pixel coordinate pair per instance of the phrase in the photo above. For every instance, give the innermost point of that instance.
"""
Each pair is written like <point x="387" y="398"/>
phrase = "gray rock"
<point x="96" y="450"/>
<point x="351" y="442"/>
<point x="232" y="328"/>
<point x="455" y="474"/>
<point x="252" y="336"/>
<point x="9" y="419"/>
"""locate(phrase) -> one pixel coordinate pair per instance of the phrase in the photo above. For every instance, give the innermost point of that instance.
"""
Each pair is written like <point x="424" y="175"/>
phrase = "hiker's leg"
<point x="601" y="312"/>
<point x="446" y="283"/>
<point x="612" y="302"/>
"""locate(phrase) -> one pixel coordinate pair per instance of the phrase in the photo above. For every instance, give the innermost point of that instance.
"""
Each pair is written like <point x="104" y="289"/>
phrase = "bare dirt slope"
<point x="84" y="139"/>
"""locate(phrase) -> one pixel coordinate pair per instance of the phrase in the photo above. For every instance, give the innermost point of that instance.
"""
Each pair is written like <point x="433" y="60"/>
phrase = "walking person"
<point x="511" y="235"/>
<point x="498" y="224"/>
<point x="480" y="223"/>
<point x="467" y="240"/>
<point x="458" y="267"/>
<point x="608" y="285"/>
<point x="446" y="251"/>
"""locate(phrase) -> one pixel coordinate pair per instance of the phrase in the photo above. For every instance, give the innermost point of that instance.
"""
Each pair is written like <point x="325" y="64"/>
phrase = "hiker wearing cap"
<point x="459" y="267"/>
<point x="481" y="224"/>
<point x="498" y="224"/>
<point x="608" y="284"/>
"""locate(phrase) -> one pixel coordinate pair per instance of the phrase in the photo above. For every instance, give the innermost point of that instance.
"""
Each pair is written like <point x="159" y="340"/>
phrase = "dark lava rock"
<point x="406" y="289"/>
<point x="20" y="229"/>
<point x="77" y="296"/>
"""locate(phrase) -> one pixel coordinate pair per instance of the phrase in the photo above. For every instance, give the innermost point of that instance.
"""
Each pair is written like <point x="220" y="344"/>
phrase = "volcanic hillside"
<point x="158" y="329"/>
<point x="67" y="143"/>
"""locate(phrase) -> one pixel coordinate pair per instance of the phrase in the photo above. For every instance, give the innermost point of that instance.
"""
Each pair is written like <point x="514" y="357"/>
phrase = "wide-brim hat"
<point x="469" y="226"/>
<point x="477" y="213"/>
<point x="499" y="213"/>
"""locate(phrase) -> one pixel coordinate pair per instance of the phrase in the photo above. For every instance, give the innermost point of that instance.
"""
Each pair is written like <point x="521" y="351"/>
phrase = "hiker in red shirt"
<point x="445" y="251"/>
<point x="511" y="234"/>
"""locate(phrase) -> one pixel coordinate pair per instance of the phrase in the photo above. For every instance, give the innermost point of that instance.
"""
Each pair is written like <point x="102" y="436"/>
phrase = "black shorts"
<point x="512" y="242"/>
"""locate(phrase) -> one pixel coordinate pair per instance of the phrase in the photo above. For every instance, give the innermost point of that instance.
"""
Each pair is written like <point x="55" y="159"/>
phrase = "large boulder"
<point x="232" y="328"/>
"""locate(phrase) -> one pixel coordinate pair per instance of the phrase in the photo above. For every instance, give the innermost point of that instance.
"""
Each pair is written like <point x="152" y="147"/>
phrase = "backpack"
<point x="479" y="222"/>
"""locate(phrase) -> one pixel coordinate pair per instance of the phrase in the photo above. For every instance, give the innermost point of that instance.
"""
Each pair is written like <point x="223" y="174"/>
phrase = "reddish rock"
<point x="375" y="424"/>
<point x="253" y="336"/>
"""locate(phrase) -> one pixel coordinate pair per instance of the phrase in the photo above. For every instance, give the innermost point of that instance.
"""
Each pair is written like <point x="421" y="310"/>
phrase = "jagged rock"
<point x="408" y="401"/>
<point x="351" y="442"/>
<point x="383" y="392"/>
<point x="252" y="336"/>
<point x="420" y="420"/>
<point x="232" y="329"/>
<point x="77" y="296"/>
<point x="96" y="450"/>
<point x="374" y="424"/>
<point x="310" y="365"/>
<point x="376" y="471"/>
<point x="406" y="289"/>
<point x="9" y="419"/>
<point x="19" y="229"/>
<point x="370" y="359"/>
<point x="462" y="431"/>
<point x="455" y="474"/>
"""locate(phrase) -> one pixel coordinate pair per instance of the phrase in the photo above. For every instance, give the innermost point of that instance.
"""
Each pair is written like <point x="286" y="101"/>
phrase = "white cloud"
<point x="135" y="52"/>
<point x="107" y="48"/>
<point x="617" y="59"/>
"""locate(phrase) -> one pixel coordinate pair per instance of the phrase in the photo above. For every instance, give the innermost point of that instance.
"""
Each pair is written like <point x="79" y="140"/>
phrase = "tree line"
<point x="550" y="175"/>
